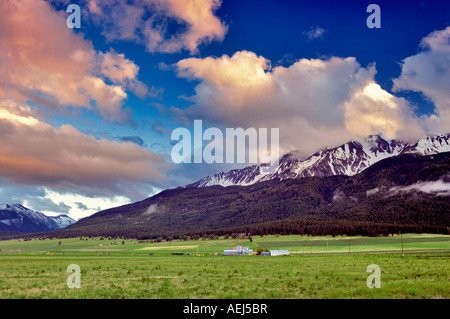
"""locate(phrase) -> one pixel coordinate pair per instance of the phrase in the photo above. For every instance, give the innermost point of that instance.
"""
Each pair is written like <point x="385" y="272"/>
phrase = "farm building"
<point x="279" y="253"/>
<point x="239" y="250"/>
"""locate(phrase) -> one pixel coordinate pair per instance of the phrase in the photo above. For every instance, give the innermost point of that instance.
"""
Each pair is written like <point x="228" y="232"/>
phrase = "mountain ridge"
<point x="16" y="217"/>
<point x="347" y="159"/>
<point x="403" y="193"/>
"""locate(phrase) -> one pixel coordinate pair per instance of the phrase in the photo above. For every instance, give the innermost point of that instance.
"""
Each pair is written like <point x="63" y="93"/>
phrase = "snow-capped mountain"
<point x="430" y="144"/>
<point x="19" y="218"/>
<point x="62" y="220"/>
<point x="348" y="159"/>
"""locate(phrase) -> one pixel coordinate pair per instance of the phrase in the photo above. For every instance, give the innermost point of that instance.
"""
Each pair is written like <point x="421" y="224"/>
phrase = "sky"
<point x="86" y="114"/>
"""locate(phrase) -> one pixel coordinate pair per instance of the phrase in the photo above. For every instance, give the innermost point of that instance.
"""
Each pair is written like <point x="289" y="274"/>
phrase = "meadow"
<point x="318" y="267"/>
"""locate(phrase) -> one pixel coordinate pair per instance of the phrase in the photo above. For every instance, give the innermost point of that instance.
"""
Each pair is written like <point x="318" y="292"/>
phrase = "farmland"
<point x="319" y="267"/>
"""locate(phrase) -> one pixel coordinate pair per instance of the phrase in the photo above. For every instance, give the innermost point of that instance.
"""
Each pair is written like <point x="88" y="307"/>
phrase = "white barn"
<point x="279" y="253"/>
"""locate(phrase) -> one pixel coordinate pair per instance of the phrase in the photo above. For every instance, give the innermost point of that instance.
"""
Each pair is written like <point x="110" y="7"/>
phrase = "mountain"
<point x="19" y="218"/>
<point x="408" y="192"/>
<point x="348" y="159"/>
<point x="62" y="220"/>
<point x="430" y="144"/>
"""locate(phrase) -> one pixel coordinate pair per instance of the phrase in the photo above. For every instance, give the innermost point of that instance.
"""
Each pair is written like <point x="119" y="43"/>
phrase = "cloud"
<point x="315" y="103"/>
<point x="31" y="197"/>
<point x="35" y="153"/>
<point x="44" y="61"/>
<point x="235" y="83"/>
<point x="372" y="191"/>
<point x="42" y="204"/>
<point x="133" y="139"/>
<point x="373" y="110"/>
<point x="163" y="66"/>
<point x="119" y="19"/>
<point x="50" y="202"/>
<point x="440" y="187"/>
<point x="148" y="22"/>
<point x="429" y="72"/>
<point x="81" y="206"/>
<point x="16" y="194"/>
<point x="123" y="71"/>
<point x="158" y="128"/>
<point x="314" y="33"/>
<point x="152" y="209"/>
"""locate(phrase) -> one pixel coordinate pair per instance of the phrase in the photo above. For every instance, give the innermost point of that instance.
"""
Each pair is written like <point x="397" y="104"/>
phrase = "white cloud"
<point x="439" y="188"/>
<point x="373" y="110"/>
<point x="315" y="103"/>
<point x="372" y="191"/>
<point x="93" y="203"/>
<point x="314" y="33"/>
<point x="429" y="72"/>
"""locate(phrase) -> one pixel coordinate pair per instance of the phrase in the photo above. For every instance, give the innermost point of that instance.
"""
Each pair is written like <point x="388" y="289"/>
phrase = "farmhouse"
<point x="239" y="250"/>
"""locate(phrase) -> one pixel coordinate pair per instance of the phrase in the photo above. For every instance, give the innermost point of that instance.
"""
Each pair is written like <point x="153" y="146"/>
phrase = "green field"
<point x="318" y="267"/>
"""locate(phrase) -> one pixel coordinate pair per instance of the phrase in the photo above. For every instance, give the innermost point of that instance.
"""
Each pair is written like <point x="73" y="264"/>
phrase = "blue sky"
<point x="278" y="31"/>
<point x="312" y="68"/>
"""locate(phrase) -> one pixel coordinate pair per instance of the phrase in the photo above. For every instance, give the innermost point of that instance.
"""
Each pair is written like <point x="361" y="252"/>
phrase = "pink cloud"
<point x="146" y="22"/>
<point x="44" y="61"/>
<point x="63" y="158"/>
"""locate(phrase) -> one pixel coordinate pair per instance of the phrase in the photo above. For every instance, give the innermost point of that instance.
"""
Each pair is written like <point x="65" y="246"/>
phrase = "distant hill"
<point x="21" y="219"/>
<point x="408" y="193"/>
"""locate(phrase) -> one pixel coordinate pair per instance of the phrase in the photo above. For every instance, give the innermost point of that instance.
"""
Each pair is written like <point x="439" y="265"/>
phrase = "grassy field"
<point x="318" y="267"/>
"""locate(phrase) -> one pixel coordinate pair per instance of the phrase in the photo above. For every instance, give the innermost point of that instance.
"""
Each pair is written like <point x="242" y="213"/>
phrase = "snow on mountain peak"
<point x="21" y="218"/>
<point x="430" y="144"/>
<point x="348" y="159"/>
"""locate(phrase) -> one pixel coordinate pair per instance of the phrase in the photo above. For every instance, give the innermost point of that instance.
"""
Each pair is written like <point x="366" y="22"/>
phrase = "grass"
<point x="127" y="271"/>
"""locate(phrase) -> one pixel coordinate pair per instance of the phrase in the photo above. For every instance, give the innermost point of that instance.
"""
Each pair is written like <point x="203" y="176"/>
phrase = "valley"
<point x="129" y="270"/>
